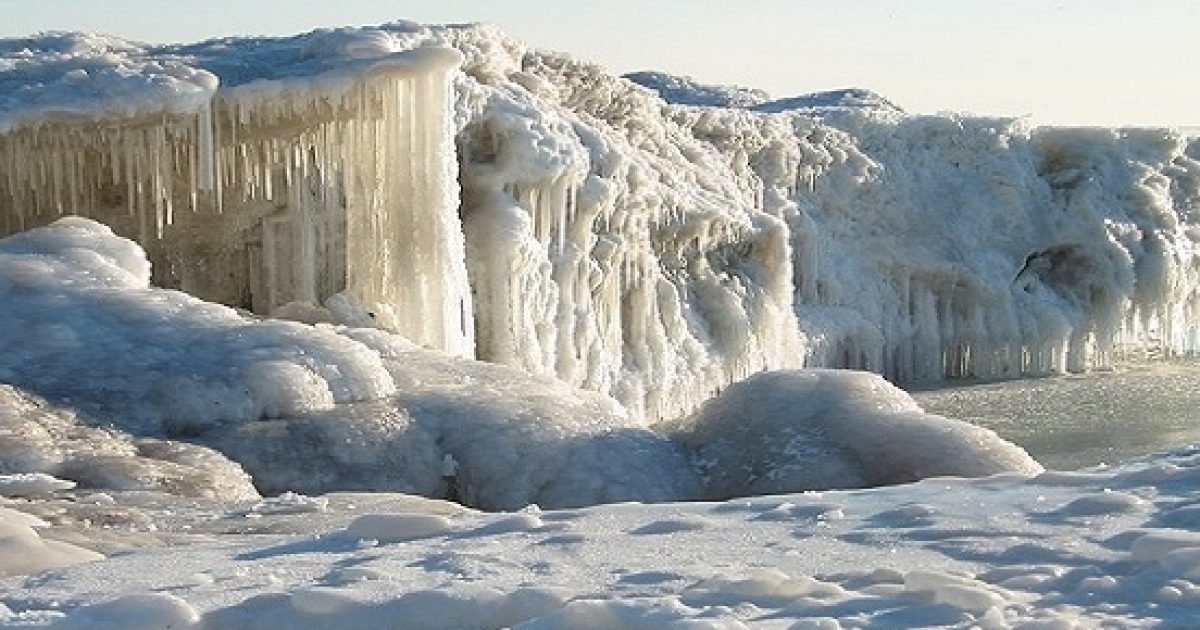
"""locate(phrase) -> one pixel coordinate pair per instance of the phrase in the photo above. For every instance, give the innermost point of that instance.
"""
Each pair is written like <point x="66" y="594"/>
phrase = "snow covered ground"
<point x="1112" y="548"/>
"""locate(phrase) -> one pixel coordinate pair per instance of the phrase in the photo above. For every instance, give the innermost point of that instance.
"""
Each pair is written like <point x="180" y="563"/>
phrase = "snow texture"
<point x="1001" y="552"/>
<point x="321" y="408"/>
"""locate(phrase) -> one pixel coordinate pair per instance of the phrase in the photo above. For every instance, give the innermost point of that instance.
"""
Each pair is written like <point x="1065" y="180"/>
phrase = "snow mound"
<point x="24" y="550"/>
<point x="82" y="320"/>
<point x="788" y="431"/>
<point x="32" y="485"/>
<point x="149" y="611"/>
<point x="390" y="528"/>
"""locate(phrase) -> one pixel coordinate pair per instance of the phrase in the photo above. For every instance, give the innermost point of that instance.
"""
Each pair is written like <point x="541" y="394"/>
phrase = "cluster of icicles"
<point x="316" y="167"/>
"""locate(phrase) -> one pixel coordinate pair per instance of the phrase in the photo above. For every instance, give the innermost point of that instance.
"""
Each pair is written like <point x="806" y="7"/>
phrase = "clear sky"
<point x="1090" y="62"/>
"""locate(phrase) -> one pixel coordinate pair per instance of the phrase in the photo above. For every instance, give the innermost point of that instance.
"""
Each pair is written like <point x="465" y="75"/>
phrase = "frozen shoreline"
<point x="1071" y="422"/>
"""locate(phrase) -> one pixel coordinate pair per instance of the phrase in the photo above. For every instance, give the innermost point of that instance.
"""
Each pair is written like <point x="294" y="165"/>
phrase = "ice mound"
<point x="83" y="325"/>
<point x="687" y="91"/>
<point x="485" y="435"/>
<point x="831" y="102"/>
<point x="516" y="440"/>
<point x="788" y="431"/>
<point x="315" y="409"/>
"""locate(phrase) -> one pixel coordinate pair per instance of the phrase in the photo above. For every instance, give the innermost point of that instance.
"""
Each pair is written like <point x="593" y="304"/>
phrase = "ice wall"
<point x="611" y="253"/>
<point x="329" y="171"/>
<point x="655" y="251"/>
<point x="920" y="247"/>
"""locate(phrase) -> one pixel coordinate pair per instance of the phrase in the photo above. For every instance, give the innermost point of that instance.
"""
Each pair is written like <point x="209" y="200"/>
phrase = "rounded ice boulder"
<point x="789" y="431"/>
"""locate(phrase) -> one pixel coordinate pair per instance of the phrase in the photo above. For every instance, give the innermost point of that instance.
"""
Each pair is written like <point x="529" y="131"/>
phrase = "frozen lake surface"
<point x="1076" y="421"/>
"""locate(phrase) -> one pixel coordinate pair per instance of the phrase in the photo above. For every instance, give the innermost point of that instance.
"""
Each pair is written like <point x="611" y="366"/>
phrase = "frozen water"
<point x="1070" y="422"/>
<point x="654" y="254"/>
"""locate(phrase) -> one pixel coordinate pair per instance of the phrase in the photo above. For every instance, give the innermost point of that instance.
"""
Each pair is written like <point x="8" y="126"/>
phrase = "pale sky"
<point x="1087" y="62"/>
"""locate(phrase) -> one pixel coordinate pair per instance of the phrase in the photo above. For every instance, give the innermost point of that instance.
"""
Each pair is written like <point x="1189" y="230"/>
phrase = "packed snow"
<point x="647" y="275"/>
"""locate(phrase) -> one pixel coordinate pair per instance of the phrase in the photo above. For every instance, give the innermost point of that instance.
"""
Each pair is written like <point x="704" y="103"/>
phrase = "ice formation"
<point x="651" y="250"/>
<point x="196" y="399"/>
<point x="786" y="431"/>
<point x="919" y="247"/>
<point x="324" y="174"/>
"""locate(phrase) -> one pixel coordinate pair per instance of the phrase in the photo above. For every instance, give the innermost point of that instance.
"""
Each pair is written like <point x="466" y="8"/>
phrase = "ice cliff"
<point x="661" y="250"/>
<point x="655" y="251"/>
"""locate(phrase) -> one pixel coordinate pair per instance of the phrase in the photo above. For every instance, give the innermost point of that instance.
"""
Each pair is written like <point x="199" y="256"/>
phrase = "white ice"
<point x="319" y="408"/>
